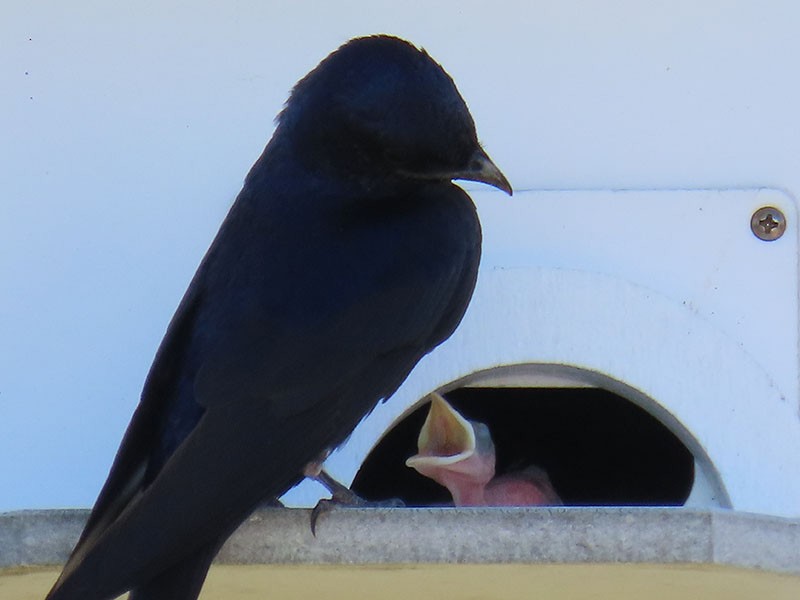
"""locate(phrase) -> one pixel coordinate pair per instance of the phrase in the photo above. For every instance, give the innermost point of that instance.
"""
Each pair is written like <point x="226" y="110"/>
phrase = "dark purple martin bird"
<point x="348" y="255"/>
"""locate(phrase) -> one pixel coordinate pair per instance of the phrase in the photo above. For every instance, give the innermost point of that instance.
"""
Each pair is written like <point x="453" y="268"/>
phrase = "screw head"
<point x="768" y="223"/>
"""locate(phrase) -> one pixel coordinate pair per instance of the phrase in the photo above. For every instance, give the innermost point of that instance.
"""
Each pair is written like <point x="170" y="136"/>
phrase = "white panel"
<point x="695" y="319"/>
<point x="126" y="134"/>
<point x="695" y="247"/>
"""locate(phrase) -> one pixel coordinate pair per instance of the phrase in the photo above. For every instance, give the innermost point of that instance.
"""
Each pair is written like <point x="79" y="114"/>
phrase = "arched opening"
<point x="599" y="448"/>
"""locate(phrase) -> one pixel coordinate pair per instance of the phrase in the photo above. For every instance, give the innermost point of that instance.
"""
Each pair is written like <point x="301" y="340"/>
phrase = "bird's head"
<point x="452" y="451"/>
<point x="379" y="107"/>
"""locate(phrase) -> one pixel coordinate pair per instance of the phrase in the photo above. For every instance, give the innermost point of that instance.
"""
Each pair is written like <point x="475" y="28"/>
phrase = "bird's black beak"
<point x="481" y="168"/>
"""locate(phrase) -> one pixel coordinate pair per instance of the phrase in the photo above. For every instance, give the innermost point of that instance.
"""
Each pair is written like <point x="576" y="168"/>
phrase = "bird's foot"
<point x="326" y="505"/>
<point x="342" y="496"/>
<point x="273" y="503"/>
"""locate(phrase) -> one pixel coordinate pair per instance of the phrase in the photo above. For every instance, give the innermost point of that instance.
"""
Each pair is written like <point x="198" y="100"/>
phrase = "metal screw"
<point x="768" y="223"/>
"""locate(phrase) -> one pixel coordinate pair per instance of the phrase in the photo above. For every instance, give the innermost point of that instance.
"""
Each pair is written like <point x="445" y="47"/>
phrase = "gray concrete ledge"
<point x="447" y="535"/>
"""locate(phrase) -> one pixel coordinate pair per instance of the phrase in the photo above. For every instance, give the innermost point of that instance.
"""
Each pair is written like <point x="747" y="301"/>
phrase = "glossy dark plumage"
<point x="347" y="256"/>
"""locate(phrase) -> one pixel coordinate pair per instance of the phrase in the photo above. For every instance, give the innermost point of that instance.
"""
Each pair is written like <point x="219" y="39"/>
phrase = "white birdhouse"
<point x="641" y="346"/>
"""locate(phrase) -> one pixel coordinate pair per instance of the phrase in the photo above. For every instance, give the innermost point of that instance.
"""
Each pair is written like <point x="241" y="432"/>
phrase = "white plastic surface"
<point x="126" y="131"/>
<point x="665" y="297"/>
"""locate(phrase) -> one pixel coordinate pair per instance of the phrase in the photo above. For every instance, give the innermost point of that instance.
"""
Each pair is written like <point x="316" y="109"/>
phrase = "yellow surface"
<point x="467" y="582"/>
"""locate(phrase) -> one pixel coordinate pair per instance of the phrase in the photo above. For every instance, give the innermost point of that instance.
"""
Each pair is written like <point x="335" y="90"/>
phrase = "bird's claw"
<point x="348" y="500"/>
<point x="323" y="506"/>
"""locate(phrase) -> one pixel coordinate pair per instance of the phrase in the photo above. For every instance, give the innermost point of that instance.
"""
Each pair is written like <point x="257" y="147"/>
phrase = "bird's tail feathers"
<point x="182" y="581"/>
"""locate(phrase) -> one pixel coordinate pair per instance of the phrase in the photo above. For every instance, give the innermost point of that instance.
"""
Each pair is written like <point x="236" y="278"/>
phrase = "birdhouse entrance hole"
<point x="599" y="448"/>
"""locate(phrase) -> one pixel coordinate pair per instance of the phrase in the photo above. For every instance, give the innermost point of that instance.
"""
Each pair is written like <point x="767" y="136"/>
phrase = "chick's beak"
<point x="481" y="168"/>
<point x="445" y="438"/>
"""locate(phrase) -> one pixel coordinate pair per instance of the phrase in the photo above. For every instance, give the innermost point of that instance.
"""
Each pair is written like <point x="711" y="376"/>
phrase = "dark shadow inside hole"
<point x="598" y="448"/>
